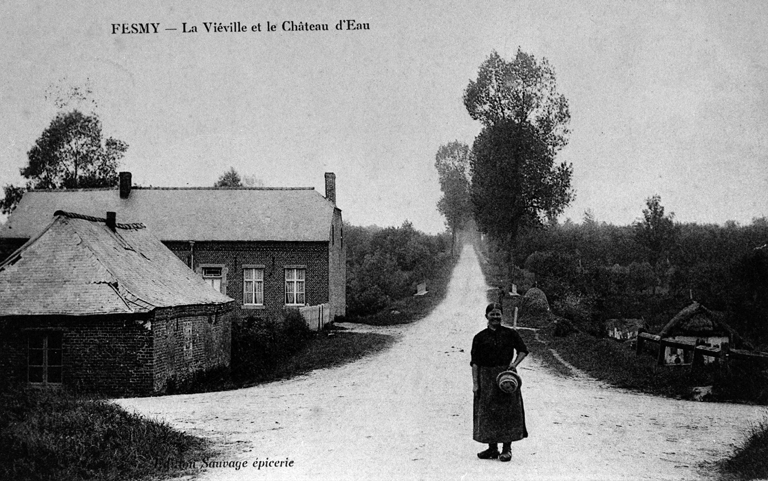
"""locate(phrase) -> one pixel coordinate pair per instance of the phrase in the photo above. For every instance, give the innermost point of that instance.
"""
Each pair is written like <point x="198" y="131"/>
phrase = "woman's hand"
<point x="475" y="387"/>
<point x="517" y="360"/>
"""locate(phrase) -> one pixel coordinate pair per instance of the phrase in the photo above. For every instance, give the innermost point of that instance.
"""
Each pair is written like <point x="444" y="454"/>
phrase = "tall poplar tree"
<point x="515" y="180"/>
<point x="452" y="164"/>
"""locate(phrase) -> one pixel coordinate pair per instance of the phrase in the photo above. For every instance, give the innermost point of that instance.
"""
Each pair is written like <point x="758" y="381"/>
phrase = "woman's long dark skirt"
<point x="498" y="417"/>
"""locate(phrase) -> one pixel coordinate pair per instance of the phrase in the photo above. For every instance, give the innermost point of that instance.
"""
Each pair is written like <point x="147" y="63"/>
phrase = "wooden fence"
<point x="317" y="316"/>
<point x="723" y="353"/>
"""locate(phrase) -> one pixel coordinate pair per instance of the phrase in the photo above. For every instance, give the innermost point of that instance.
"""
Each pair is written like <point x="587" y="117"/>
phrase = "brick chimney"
<point x="330" y="187"/>
<point x="125" y="185"/>
<point x="112" y="220"/>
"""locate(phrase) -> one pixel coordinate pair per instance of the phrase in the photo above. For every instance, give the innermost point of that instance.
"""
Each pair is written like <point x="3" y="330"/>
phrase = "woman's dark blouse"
<point x="496" y="348"/>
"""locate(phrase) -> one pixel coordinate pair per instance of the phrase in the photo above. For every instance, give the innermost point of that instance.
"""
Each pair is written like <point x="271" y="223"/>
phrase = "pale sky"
<point x="667" y="98"/>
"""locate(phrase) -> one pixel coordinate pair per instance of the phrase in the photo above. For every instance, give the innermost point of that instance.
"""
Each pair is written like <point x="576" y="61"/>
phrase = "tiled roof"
<point x="79" y="266"/>
<point x="182" y="214"/>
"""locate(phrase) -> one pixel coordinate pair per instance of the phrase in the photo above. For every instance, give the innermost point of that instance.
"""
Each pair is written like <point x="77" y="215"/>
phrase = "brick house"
<point x="267" y="248"/>
<point x="96" y="305"/>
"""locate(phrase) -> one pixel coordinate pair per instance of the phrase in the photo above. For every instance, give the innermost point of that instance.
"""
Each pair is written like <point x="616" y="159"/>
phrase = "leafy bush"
<point x="258" y="345"/>
<point x="293" y="332"/>
<point x="580" y="310"/>
<point x="385" y="265"/>
<point x="553" y="264"/>
<point x="367" y="299"/>
<point x="642" y="277"/>
<point x="742" y="380"/>
<point x="564" y="327"/>
<point x="411" y="308"/>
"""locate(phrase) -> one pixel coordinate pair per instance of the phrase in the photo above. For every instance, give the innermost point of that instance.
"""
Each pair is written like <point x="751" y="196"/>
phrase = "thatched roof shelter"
<point x="696" y="320"/>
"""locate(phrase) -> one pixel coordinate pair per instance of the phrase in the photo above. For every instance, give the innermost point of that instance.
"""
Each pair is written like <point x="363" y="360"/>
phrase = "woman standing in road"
<point x="498" y="417"/>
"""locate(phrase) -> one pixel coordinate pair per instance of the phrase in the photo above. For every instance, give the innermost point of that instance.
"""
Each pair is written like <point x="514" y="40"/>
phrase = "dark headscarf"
<point x="492" y="306"/>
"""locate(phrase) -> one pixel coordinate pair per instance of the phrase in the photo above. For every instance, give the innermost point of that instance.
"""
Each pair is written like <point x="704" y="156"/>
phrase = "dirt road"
<point x="406" y="413"/>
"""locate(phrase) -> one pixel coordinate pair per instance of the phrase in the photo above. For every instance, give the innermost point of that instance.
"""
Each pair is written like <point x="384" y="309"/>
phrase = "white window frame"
<point x="295" y="288"/>
<point x="256" y="280"/>
<point x="222" y="277"/>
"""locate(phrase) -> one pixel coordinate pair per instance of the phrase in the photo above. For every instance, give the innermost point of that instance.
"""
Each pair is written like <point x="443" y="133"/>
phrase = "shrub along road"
<point x="406" y="413"/>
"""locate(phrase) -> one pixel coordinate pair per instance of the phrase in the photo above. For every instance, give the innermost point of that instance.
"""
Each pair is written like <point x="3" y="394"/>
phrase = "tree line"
<point x="595" y="271"/>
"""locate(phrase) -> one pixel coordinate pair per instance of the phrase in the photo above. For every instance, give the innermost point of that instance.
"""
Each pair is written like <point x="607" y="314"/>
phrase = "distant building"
<point x="267" y="248"/>
<point x="697" y="325"/>
<point x="97" y="305"/>
<point x="624" y="329"/>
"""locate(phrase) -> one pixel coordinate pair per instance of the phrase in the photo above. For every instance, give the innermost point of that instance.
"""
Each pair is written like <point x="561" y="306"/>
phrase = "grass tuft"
<point x="52" y="435"/>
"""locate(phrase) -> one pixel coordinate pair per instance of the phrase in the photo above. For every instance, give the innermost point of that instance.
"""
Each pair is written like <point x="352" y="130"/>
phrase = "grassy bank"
<point x="540" y="348"/>
<point x="618" y="364"/>
<point x="750" y="461"/>
<point x="49" y="435"/>
<point x="328" y="348"/>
